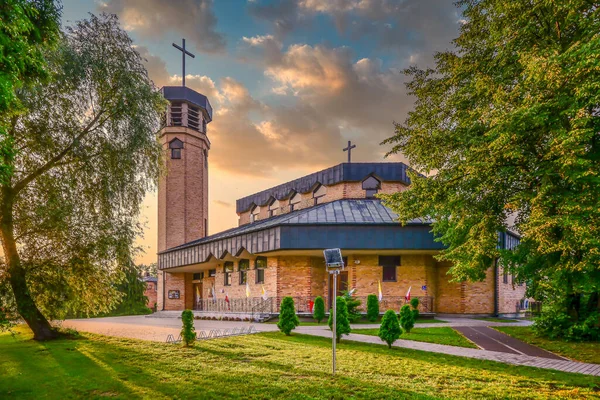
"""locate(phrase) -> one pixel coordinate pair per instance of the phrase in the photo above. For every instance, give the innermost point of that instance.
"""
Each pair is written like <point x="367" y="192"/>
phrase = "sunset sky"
<point x="290" y="81"/>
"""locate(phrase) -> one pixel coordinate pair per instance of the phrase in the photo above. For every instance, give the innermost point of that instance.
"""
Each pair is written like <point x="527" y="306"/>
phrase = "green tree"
<point x="148" y="269"/>
<point x="342" y="324"/>
<point x="352" y="304"/>
<point x="28" y="28"/>
<point x="319" y="309"/>
<point x="188" y="331"/>
<point x="132" y="288"/>
<point x="88" y="154"/>
<point x="372" y="307"/>
<point x="414" y="303"/>
<point x="506" y="128"/>
<point x="390" y="330"/>
<point x="288" y="320"/>
<point x="407" y="318"/>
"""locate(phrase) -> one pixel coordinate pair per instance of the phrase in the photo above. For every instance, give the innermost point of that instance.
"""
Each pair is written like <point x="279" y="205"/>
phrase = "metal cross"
<point x="349" y="150"/>
<point x="183" y="54"/>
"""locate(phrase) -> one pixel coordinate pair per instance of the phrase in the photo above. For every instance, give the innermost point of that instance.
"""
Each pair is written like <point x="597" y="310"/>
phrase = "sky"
<point x="290" y="81"/>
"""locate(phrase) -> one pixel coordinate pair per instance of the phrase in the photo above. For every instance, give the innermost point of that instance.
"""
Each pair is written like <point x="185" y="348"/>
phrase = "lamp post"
<point x="334" y="263"/>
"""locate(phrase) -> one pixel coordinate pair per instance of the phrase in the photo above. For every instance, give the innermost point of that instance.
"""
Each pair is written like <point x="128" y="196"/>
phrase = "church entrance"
<point x="342" y="285"/>
<point x="198" y="297"/>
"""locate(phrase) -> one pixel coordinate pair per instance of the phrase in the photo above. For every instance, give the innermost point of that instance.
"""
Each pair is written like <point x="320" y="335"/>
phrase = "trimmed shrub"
<point x="188" y="332"/>
<point x="372" y="307"/>
<point x="352" y="304"/>
<point x="390" y="330"/>
<point x="342" y="325"/>
<point x="319" y="309"/>
<point x="414" y="303"/>
<point x="407" y="318"/>
<point x="288" y="320"/>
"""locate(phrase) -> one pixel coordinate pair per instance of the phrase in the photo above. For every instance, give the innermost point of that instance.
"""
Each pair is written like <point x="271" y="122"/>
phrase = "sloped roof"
<point x="339" y="212"/>
<point x="345" y="172"/>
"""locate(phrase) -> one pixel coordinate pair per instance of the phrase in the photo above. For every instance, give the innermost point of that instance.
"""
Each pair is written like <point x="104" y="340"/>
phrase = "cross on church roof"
<point x="349" y="150"/>
<point x="184" y="52"/>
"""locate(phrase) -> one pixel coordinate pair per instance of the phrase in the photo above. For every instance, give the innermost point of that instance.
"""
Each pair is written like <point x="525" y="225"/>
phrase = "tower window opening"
<point x="176" y="145"/>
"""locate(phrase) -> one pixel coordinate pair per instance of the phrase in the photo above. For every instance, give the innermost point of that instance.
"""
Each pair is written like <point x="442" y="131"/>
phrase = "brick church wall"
<point x="509" y="294"/>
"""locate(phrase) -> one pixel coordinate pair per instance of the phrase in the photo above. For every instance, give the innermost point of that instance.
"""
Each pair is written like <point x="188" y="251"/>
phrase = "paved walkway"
<point x="157" y="329"/>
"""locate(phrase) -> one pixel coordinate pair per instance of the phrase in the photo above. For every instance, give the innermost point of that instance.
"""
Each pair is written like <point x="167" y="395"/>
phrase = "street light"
<point x="334" y="263"/>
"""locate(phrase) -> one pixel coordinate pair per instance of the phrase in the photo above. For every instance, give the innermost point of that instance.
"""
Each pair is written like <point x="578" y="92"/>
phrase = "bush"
<point x="342" y="325"/>
<point x="188" y="332"/>
<point x="557" y="324"/>
<point x="319" y="309"/>
<point x="390" y="329"/>
<point x="372" y="307"/>
<point x="414" y="303"/>
<point x="288" y="320"/>
<point x="352" y="304"/>
<point x="407" y="319"/>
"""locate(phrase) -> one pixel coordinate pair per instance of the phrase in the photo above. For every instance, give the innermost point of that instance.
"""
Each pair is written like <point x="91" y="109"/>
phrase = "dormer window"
<point x="254" y="214"/>
<point x="175" y="146"/>
<point x="319" y="193"/>
<point x="294" y="201"/>
<point x="274" y="208"/>
<point x="371" y="186"/>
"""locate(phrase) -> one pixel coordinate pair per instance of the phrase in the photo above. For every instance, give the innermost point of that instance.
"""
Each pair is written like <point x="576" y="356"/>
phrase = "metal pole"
<point x="183" y="62"/>
<point x="334" y="339"/>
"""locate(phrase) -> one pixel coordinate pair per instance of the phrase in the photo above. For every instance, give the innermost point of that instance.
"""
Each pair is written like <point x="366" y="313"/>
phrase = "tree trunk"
<point x="42" y="330"/>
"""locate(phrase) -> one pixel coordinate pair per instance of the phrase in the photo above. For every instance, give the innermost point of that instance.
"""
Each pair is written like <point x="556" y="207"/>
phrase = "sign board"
<point x="174" y="294"/>
<point x="424" y="287"/>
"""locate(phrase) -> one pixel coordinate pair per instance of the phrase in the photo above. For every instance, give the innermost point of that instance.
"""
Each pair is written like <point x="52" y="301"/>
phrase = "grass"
<point x="579" y="351"/>
<point x="494" y="319"/>
<point x="430" y="335"/>
<point x="262" y="366"/>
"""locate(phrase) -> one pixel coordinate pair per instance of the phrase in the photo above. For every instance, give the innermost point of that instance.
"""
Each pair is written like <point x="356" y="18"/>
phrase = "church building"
<point x="277" y="249"/>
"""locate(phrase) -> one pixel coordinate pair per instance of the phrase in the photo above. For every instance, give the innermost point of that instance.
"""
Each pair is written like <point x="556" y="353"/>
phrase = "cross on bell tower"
<point x="349" y="150"/>
<point x="184" y="52"/>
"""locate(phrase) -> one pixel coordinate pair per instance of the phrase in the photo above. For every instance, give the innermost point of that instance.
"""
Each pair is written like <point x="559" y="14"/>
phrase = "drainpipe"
<point x="163" y="292"/>
<point x="496" y="289"/>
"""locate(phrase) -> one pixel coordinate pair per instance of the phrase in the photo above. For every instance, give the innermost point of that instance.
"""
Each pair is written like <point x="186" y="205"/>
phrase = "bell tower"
<point x="183" y="187"/>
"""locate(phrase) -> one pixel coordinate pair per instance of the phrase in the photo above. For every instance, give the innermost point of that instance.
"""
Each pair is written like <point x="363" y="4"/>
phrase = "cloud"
<point x="194" y="19"/>
<point x="410" y="26"/>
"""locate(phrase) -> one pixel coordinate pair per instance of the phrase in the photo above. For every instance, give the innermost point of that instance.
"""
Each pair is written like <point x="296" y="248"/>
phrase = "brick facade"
<point x="304" y="277"/>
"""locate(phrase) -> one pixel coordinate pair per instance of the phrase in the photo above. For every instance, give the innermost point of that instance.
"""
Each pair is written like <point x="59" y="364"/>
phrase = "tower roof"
<point x="185" y="94"/>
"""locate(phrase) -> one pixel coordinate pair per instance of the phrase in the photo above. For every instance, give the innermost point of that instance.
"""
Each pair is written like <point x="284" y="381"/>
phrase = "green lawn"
<point x="494" y="319"/>
<point x="263" y="366"/>
<point x="430" y="335"/>
<point x="585" y="352"/>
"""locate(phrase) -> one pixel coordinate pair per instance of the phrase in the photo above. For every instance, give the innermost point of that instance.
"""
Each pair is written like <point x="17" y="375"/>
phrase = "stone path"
<point x="157" y="329"/>
<point x="490" y="339"/>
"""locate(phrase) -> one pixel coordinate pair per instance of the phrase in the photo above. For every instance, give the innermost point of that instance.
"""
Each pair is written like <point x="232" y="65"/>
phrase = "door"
<point x="198" y="296"/>
<point x="342" y="285"/>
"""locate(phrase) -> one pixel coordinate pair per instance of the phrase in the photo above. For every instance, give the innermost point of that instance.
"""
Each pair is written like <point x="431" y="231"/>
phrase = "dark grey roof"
<point x="150" y="279"/>
<point x="339" y="212"/>
<point x="184" y="93"/>
<point x="345" y="172"/>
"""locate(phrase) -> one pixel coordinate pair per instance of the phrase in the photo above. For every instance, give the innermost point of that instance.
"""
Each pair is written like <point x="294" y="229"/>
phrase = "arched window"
<point x="371" y="186"/>
<point x="176" y="145"/>
<point x="319" y="193"/>
<point x="254" y="214"/>
<point x="274" y="208"/>
<point x="294" y="201"/>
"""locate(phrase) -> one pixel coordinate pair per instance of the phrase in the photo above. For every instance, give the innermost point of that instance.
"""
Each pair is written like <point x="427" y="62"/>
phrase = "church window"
<point x="254" y="214"/>
<point x="198" y="276"/>
<point x="260" y="265"/>
<point x="175" y="145"/>
<point x="228" y="271"/>
<point x="244" y="266"/>
<point x="389" y="264"/>
<point x="294" y="201"/>
<point x="505" y="277"/>
<point x="273" y="208"/>
<point x="212" y="272"/>
<point x="319" y="193"/>
<point x="371" y="186"/>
